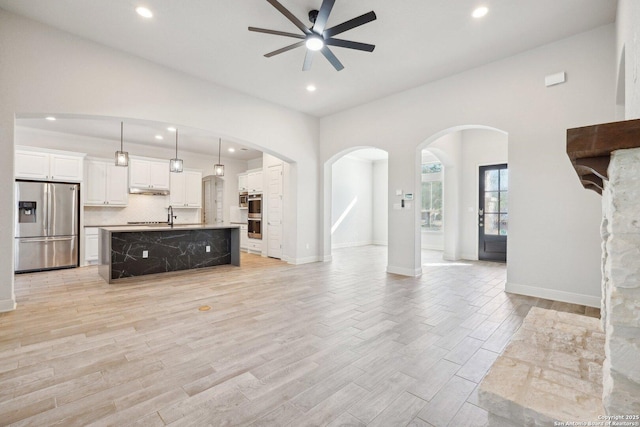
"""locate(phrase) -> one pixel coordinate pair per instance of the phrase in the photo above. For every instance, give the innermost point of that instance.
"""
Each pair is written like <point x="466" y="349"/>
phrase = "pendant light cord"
<point x="176" y="143"/>
<point x="121" y="134"/>
<point x="219" y="145"/>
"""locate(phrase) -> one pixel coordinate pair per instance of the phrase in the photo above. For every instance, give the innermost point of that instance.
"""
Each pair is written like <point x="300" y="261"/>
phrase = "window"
<point x="431" y="215"/>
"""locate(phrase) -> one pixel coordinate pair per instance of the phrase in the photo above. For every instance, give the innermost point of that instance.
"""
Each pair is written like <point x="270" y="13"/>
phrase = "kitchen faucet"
<point x="171" y="216"/>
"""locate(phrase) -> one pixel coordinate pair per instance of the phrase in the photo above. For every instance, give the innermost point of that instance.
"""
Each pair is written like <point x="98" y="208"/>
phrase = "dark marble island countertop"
<point x="127" y="252"/>
<point x="166" y="227"/>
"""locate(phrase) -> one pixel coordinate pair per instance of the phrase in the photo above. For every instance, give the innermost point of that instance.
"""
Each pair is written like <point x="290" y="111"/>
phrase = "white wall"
<point x="552" y="254"/>
<point x="628" y="39"/>
<point x="46" y="70"/>
<point x="352" y="202"/>
<point x="380" y="202"/>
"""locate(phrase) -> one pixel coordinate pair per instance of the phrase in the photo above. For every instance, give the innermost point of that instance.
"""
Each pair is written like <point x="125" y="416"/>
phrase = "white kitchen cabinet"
<point x="91" y="244"/>
<point x="254" y="181"/>
<point x="48" y="166"/>
<point x="149" y="174"/>
<point x="244" y="236"/>
<point x="105" y="184"/>
<point x="242" y="183"/>
<point x="254" y="245"/>
<point x="186" y="190"/>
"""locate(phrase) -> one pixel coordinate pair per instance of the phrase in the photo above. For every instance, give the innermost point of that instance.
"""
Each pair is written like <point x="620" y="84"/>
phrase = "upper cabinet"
<point x="242" y="183"/>
<point x="186" y="189"/>
<point x="105" y="184"/>
<point x="254" y="181"/>
<point x="150" y="174"/>
<point x="49" y="166"/>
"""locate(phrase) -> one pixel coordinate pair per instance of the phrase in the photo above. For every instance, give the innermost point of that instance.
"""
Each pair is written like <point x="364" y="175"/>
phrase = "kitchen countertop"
<point x="165" y="227"/>
<point x="129" y="225"/>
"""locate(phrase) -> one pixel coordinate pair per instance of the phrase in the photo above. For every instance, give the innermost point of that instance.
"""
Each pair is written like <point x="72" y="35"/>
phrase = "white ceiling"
<point x="141" y="132"/>
<point x="417" y="41"/>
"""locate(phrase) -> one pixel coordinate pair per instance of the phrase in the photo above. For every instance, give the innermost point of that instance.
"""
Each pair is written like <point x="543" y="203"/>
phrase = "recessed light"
<point x="171" y="129"/>
<point x="232" y="150"/>
<point x="144" y="12"/>
<point x="50" y="118"/>
<point x="480" y="12"/>
<point x="311" y="88"/>
<point x="159" y="137"/>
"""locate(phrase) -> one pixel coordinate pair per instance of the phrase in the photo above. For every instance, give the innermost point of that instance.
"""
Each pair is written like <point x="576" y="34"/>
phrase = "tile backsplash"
<point x="140" y="208"/>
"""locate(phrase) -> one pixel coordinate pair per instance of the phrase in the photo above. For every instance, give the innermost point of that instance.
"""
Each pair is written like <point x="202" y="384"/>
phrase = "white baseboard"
<point x="7" y="305"/>
<point x="327" y="258"/>
<point x="380" y="243"/>
<point x="432" y="247"/>
<point x="306" y="260"/>
<point x="350" y="244"/>
<point x="404" y="271"/>
<point x="469" y="257"/>
<point x="553" y="294"/>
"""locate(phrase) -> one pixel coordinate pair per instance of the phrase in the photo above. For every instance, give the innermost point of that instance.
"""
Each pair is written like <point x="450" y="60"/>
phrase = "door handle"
<point x="51" y="239"/>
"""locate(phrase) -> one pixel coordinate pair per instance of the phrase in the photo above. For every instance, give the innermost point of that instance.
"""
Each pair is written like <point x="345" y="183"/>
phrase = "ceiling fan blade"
<point x="308" y="58"/>
<point x="332" y="58"/>
<point x="284" y="49"/>
<point x="350" y="45"/>
<point x="277" y="33"/>
<point x="323" y="16"/>
<point x="290" y="16"/>
<point x="352" y="23"/>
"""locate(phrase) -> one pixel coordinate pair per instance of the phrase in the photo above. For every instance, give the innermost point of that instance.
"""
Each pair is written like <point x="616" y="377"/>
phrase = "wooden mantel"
<point x="589" y="148"/>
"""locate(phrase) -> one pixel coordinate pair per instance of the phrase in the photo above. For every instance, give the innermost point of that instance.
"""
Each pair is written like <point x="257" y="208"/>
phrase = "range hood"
<point x="148" y="191"/>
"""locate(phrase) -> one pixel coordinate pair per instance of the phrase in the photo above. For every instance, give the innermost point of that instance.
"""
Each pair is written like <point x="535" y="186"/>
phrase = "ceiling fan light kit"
<point x="317" y="38"/>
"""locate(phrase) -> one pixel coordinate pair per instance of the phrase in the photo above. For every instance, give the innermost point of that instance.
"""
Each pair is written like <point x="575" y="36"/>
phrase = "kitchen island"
<point x="133" y="251"/>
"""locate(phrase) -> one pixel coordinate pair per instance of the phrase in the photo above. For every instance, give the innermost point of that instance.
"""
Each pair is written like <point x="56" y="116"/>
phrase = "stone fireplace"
<point x="598" y="364"/>
<point x="607" y="160"/>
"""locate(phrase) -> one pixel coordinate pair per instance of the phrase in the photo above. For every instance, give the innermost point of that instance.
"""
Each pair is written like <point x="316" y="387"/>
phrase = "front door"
<point x="493" y="213"/>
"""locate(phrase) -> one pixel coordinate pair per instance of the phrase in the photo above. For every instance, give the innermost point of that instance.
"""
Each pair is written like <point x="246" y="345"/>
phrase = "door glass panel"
<point x="504" y="224"/>
<point x="504" y="179"/>
<point x="491" y="180"/>
<point x="492" y="224"/>
<point x="491" y="201"/>
<point x="504" y="202"/>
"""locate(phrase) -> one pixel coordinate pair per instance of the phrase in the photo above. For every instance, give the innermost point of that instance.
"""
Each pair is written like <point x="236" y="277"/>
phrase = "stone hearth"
<point x="550" y="372"/>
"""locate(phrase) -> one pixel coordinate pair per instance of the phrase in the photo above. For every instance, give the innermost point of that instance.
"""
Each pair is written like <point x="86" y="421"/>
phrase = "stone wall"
<point x="621" y="284"/>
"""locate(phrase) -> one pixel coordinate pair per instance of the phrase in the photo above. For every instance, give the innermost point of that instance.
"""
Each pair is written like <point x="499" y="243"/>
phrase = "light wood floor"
<point x="340" y="343"/>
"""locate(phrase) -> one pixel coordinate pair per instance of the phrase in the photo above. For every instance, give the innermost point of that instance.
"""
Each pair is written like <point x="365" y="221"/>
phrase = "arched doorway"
<point x="456" y="156"/>
<point x="355" y="199"/>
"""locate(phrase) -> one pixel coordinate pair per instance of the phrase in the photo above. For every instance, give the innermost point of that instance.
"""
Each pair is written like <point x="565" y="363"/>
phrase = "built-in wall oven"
<point x="242" y="200"/>
<point x="254" y="228"/>
<point x="254" y="216"/>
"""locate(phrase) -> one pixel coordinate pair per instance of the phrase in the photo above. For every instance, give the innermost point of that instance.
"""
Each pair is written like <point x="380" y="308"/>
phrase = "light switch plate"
<point x="208" y="248"/>
<point x="145" y="254"/>
<point x="398" y="192"/>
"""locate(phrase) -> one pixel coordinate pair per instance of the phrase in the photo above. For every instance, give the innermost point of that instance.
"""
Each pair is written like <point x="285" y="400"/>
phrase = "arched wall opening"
<point x="461" y="150"/>
<point x="355" y="199"/>
<point x="98" y="137"/>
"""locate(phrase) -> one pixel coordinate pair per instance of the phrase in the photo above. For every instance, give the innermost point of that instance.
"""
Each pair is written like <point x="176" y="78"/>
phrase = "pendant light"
<point x="175" y="165"/>
<point x="218" y="169"/>
<point x="122" y="157"/>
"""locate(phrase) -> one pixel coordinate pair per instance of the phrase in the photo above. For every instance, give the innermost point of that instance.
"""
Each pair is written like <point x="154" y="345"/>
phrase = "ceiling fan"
<point x="317" y="38"/>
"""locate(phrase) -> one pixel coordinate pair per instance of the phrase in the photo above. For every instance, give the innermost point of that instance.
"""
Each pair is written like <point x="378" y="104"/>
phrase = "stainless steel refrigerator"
<point x="46" y="225"/>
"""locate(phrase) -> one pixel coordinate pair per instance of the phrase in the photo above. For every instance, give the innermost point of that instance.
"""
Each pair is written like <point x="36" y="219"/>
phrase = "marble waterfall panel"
<point x="167" y="250"/>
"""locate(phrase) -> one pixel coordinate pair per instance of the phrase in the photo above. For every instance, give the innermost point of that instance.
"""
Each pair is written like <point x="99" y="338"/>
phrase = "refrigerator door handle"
<point x="47" y="216"/>
<point x="46" y="239"/>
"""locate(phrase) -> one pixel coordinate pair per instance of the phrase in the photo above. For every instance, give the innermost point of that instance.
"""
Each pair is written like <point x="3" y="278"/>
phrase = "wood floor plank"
<point x="338" y="343"/>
